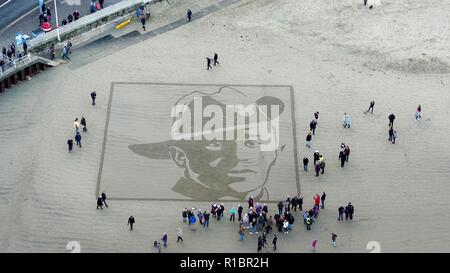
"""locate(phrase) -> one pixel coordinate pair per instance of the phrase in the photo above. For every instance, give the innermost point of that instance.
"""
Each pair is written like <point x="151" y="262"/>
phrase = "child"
<point x="333" y="239"/>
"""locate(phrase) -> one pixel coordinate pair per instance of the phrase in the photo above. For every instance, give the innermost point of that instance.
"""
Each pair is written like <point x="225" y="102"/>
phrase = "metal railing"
<point x="10" y="63"/>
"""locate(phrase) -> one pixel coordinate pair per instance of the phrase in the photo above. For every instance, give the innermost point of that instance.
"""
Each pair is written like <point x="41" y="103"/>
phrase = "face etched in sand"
<point x="215" y="168"/>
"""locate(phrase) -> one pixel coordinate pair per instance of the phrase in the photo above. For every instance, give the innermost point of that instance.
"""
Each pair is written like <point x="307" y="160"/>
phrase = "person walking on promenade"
<point x="99" y="202"/>
<point x="308" y="140"/>
<point x="93" y="96"/>
<point x="70" y="144"/>
<point x="391" y="118"/>
<point x="104" y="198"/>
<point x="316" y="156"/>
<point x="179" y="235"/>
<point x="78" y="139"/>
<point x="322" y="198"/>
<point x="300" y="202"/>
<point x="131" y="222"/>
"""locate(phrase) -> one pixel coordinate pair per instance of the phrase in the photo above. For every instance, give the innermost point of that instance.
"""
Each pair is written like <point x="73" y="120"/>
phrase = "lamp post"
<point x="56" y="18"/>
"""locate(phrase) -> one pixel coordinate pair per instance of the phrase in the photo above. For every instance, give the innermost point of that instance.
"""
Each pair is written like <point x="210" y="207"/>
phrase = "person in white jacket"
<point x="347" y="121"/>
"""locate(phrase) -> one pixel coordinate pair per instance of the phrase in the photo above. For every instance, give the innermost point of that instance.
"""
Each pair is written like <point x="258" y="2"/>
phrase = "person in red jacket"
<point x="317" y="200"/>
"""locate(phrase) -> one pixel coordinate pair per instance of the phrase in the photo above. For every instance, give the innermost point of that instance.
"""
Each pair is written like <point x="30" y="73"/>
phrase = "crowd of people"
<point x="257" y="220"/>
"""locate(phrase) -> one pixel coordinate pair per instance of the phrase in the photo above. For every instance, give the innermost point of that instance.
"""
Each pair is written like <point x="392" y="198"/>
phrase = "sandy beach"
<point x="336" y="55"/>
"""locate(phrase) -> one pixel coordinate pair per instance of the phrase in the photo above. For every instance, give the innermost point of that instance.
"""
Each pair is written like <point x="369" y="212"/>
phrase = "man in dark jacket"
<point x="78" y="139"/>
<point x="83" y="124"/>
<point x="240" y="209"/>
<point x="208" y="63"/>
<point x="341" y="213"/>
<point x="131" y="222"/>
<point x="305" y="164"/>
<point x="274" y="242"/>
<point x="280" y="207"/>
<point x="308" y="140"/>
<point x="300" y="202"/>
<point x="312" y="126"/>
<point x="342" y="157"/>
<point x="350" y="210"/>
<point x="391" y="120"/>
<point x="322" y="199"/>
<point x="70" y="144"/>
<point x="189" y="15"/>
<point x="294" y="203"/>
<point x="93" y="96"/>
<point x="216" y="57"/>
<point x="104" y="199"/>
<point x="99" y="202"/>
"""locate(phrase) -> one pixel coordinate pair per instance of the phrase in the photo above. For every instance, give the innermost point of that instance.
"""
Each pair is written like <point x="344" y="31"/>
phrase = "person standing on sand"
<point x="346" y="152"/>
<point x="342" y="157"/>
<point x="179" y="235"/>
<point x="78" y="139"/>
<point x="391" y="118"/>
<point x="143" y="23"/>
<point x="70" y="144"/>
<point x="83" y="124"/>
<point x="308" y="140"/>
<point x="274" y="242"/>
<point x="391" y="134"/>
<point x="305" y="164"/>
<point x="99" y="202"/>
<point x="76" y="125"/>
<point x="216" y="57"/>
<point x="317" y="168"/>
<point x="312" y="126"/>
<point x="418" y="112"/>
<point x="131" y="222"/>
<point x="316" y="156"/>
<point x="93" y="96"/>
<point x="189" y="15"/>
<point x="341" y="213"/>
<point x="333" y="239"/>
<point x="104" y="198"/>
<point x="322" y="163"/>
<point x="322" y="198"/>
<point x="314" y="246"/>
<point x="164" y="239"/>
<point x="372" y="103"/>
<point x="241" y="232"/>
<point x="208" y="63"/>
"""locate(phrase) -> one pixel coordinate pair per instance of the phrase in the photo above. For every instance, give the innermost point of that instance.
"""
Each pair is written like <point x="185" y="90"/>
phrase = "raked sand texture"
<point x="337" y="56"/>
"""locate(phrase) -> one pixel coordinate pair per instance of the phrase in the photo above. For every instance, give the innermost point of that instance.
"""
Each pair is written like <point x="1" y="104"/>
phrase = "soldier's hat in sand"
<point x="223" y="96"/>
